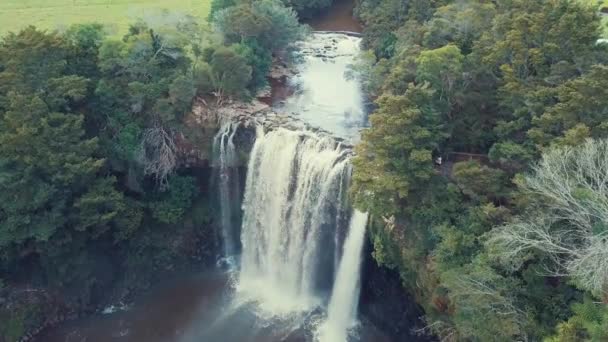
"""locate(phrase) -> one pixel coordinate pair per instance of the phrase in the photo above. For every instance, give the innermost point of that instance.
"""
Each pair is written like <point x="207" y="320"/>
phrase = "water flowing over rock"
<point x="295" y="210"/>
<point x="324" y="94"/>
<point x="342" y="310"/>
<point x="227" y="179"/>
<point x="292" y="207"/>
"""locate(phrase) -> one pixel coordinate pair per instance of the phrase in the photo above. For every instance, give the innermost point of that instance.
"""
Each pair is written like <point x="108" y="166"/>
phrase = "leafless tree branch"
<point x="158" y="154"/>
<point x="570" y="226"/>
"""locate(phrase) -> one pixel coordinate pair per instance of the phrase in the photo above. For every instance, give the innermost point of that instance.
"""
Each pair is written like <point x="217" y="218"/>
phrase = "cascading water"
<point x="292" y="206"/>
<point x="297" y="246"/>
<point x="342" y="310"/>
<point x="228" y="185"/>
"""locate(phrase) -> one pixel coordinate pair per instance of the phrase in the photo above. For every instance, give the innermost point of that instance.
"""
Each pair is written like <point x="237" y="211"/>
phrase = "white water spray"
<point x="225" y="158"/>
<point x="342" y="310"/>
<point x="291" y="198"/>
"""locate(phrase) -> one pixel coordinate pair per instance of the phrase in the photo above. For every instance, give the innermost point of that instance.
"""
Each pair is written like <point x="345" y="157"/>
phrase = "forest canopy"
<point x="484" y="163"/>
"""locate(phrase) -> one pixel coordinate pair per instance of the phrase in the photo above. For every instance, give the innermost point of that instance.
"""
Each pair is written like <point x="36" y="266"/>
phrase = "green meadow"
<point x="116" y="14"/>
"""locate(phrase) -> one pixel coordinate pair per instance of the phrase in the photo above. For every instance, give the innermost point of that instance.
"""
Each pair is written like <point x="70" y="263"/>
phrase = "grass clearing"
<point x="115" y="14"/>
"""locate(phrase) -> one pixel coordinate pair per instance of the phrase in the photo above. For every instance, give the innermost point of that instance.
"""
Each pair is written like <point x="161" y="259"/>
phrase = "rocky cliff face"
<point x="387" y="304"/>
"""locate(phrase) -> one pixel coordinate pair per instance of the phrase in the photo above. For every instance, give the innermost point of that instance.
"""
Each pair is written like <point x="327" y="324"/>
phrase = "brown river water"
<point x="196" y="309"/>
<point x="339" y="17"/>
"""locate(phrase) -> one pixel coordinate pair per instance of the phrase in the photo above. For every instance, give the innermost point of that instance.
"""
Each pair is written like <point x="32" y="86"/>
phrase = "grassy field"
<point x="116" y="14"/>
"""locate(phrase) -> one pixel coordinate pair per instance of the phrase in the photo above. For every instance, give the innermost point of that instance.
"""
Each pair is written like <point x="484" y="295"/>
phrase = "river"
<point x="299" y="273"/>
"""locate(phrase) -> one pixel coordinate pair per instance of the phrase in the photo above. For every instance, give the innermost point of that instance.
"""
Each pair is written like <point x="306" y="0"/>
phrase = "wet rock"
<point x="386" y="304"/>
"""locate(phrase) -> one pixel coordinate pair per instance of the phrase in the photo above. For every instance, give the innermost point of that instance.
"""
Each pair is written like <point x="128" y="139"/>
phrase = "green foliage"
<point x="589" y="323"/>
<point x="479" y="181"/>
<point x="218" y="5"/>
<point x="442" y="68"/>
<point x="229" y="72"/>
<point x="273" y="25"/>
<point x="13" y="327"/>
<point x="75" y="111"/>
<point x="254" y="30"/>
<point x="485" y="308"/>
<point x="396" y="154"/>
<point x="460" y="23"/>
<point x="84" y="40"/>
<point x="173" y="204"/>
<point x="381" y="19"/>
<point x="504" y="82"/>
<point x="44" y="155"/>
<point x="30" y="60"/>
<point x="574" y="118"/>
<point x="260" y="60"/>
<point x="181" y="93"/>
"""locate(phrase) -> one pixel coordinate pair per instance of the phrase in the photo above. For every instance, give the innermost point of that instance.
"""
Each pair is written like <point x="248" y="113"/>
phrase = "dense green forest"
<point x="92" y="188"/>
<point x="485" y="167"/>
<point x="485" y="164"/>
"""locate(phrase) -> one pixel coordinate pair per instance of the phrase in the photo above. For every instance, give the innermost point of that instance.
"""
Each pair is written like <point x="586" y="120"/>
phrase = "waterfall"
<point x="342" y="310"/>
<point x="292" y="206"/>
<point x="300" y="240"/>
<point x="227" y="178"/>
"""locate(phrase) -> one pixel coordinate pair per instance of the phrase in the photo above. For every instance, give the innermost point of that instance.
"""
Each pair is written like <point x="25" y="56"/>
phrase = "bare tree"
<point x="570" y="223"/>
<point x="158" y="154"/>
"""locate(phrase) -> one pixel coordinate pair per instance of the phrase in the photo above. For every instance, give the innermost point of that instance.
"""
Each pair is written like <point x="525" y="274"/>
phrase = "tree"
<point x="568" y="224"/>
<point x="239" y="22"/>
<point x="84" y="41"/>
<point x="589" y="323"/>
<point x="218" y="5"/>
<point x="273" y="25"/>
<point x="47" y="164"/>
<point x="101" y="208"/>
<point x="54" y="196"/>
<point x="479" y="181"/>
<point x="284" y="28"/>
<point x="158" y="154"/>
<point x="575" y="111"/>
<point x="442" y="68"/>
<point x="181" y="93"/>
<point x="29" y="60"/>
<point x="395" y="155"/>
<point x="460" y="23"/>
<point x="485" y="304"/>
<point x="381" y="19"/>
<point x="510" y="79"/>
<point x="260" y="60"/>
<point x="230" y="73"/>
